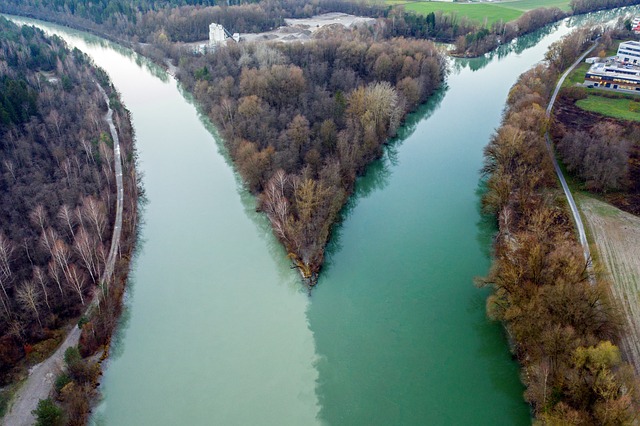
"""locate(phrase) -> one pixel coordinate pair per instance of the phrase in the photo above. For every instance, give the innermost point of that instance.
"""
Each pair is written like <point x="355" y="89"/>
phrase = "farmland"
<point x="481" y="12"/>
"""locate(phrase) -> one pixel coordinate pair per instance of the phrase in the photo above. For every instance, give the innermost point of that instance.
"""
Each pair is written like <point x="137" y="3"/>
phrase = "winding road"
<point x="42" y="376"/>
<point x="567" y="192"/>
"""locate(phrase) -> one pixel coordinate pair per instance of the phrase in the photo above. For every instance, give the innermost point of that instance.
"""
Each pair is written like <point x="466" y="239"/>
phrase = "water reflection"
<point x="379" y="172"/>
<point x="520" y="44"/>
<point x="486" y="225"/>
<point x="517" y="46"/>
<point x="92" y="40"/>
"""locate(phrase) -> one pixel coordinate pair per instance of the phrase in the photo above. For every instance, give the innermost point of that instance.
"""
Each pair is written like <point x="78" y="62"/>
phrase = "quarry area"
<point x="303" y="29"/>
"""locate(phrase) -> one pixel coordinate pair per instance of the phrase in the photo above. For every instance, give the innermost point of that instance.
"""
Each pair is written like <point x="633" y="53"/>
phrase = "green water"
<point x="217" y="329"/>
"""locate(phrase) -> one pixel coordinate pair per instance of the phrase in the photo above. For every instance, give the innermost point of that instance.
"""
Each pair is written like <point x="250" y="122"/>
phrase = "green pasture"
<point x="489" y="11"/>
<point x="622" y="109"/>
<point x="525" y="5"/>
<point x="577" y="75"/>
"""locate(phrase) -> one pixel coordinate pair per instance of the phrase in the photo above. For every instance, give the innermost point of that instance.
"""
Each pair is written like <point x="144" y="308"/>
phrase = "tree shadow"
<point x="380" y="171"/>
<point x="517" y="46"/>
<point x="486" y="226"/>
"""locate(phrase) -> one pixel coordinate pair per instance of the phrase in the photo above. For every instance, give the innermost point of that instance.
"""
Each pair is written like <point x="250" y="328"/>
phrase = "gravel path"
<point x="42" y="376"/>
<point x="567" y="192"/>
<point x="617" y="236"/>
<point x="39" y="384"/>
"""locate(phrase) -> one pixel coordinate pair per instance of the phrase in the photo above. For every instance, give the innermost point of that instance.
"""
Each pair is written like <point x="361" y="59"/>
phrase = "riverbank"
<point x="560" y="318"/>
<point x="98" y="304"/>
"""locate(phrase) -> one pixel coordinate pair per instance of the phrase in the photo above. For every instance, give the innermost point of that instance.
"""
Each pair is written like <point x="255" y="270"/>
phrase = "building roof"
<point x="615" y="69"/>
<point x="630" y="43"/>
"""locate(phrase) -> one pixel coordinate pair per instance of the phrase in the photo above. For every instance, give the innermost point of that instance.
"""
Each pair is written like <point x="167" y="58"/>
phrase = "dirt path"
<point x="617" y="238"/>
<point x="42" y="376"/>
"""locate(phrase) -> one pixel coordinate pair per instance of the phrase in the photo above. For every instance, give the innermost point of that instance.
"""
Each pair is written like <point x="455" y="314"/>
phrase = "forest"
<point x="562" y="326"/>
<point x="57" y="199"/>
<point x="302" y="121"/>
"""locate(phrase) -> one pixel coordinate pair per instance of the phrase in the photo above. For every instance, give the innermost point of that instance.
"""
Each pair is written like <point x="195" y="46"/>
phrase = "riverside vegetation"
<point x="562" y="326"/>
<point x="57" y="203"/>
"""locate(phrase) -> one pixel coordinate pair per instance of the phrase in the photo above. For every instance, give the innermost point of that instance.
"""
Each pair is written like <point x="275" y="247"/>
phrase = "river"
<point x="217" y="328"/>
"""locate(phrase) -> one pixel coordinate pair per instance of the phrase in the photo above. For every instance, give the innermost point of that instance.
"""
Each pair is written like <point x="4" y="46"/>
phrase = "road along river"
<point x="217" y="328"/>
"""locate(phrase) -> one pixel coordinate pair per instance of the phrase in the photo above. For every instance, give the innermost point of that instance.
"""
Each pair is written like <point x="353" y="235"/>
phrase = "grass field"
<point x="525" y="5"/>
<point x="491" y="12"/>
<point x="616" y="108"/>
<point x="476" y="12"/>
<point x="577" y="75"/>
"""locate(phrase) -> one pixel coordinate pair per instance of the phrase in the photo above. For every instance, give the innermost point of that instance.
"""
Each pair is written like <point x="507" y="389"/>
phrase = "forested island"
<point x="58" y="203"/>
<point x="302" y="121"/>
<point x="562" y="324"/>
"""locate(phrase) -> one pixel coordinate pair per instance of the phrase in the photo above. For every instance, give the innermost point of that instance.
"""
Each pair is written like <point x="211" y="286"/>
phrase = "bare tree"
<point x="65" y="214"/>
<point x="56" y="274"/>
<point x="78" y="212"/>
<point x="39" y="216"/>
<point x="55" y="120"/>
<point x="28" y="296"/>
<point x="10" y="168"/>
<point x="61" y="255"/>
<point x="76" y="279"/>
<point x="275" y="204"/>
<point x="40" y="277"/>
<point x="94" y="211"/>
<point x="25" y="244"/>
<point x="105" y="154"/>
<point x="84" y="245"/>
<point x="101" y="258"/>
<point x="6" y="276"/>
<point x="48" y="238"/>
<point x="88" y="150"/>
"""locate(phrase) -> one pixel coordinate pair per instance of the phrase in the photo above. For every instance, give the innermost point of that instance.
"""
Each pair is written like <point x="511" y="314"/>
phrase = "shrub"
<point x="48" y="414"/>
<point x="61" y="381"/>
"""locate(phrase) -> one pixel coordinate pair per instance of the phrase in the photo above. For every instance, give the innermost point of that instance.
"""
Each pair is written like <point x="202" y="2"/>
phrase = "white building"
<point x="629" y="52"/>
<point x="615" y="76"/>
<point x="217" y="34"/>
<point x="635" y="25"/>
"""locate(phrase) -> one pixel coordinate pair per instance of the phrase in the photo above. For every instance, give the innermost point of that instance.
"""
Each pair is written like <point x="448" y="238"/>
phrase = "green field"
<point x="616" y="108"/>
<point x="491" y="12"/>
<point x="525" y="5"/>
<point x="577" y="75"/>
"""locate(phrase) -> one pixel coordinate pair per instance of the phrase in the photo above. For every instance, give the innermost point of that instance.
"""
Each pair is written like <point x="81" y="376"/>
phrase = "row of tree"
<point x="57" y="188"/>
<point x="586" y="6"/>
<point x="561" y="325"/>
<point x="302" y="121"/>
<point x="484" y="39"/>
